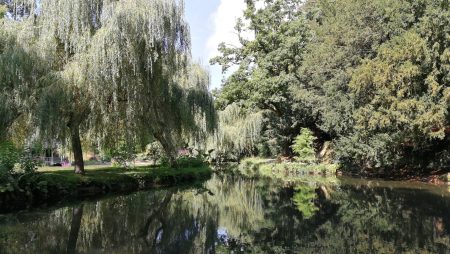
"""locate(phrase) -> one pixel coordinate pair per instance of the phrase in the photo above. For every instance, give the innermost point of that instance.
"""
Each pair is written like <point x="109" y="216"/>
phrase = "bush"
<point x="123" y="156"/>
<point x="154" y="152"/>
<point x="304" y="146"/>
<point x="9" y="156"/>
<point x="27" y="163"/>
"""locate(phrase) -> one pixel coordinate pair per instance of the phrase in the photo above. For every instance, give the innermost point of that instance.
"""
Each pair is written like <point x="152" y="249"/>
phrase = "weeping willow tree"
<point x="63" y="108"/>
<point x="19" y="73"/>
<point x="117" y="70"/>
<point x="154" y="92"/>
<point x="237" y="131"/>
<point x="58" y="33"/>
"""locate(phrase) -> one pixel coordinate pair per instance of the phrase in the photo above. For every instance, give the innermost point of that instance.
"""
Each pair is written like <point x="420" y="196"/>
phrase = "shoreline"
<point x="290" y="170"/>
<point x="437" y="178"/>
<point x="50" y="188"/>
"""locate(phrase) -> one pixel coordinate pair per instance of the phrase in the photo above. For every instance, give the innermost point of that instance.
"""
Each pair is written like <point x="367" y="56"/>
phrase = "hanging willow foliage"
<point x="237" y="131"/>
<point x="45" y="38"/>
<point x="143" y="52"/>
<point x="118" y="70"/>
<point x="200" y="115"/>
<point x="19" y="73"/>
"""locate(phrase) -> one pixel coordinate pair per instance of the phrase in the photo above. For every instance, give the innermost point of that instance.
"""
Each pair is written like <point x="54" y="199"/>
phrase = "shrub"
<point x="154" y="151"/>
<point x="123" y="155"/>
<point x="27" y="163"/>
<point x="9" y="156"/>
<point x="304" y="146"/>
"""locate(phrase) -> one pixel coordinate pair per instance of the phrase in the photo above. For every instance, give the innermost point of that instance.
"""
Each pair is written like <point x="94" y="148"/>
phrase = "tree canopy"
<point x="267" y="68"/>
<point x="372" y="76"/>
<point x="111" y="70"/>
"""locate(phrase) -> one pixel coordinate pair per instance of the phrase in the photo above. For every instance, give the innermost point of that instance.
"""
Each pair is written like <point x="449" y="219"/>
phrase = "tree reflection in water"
<point x="230" y="214"/>
<point x="74" y="229"/>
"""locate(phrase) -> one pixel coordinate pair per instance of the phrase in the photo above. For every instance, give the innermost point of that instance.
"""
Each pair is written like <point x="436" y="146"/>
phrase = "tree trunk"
<point x="168" y="148"/>
<point x="76" y="148"/>
<point x="74" y="229"/>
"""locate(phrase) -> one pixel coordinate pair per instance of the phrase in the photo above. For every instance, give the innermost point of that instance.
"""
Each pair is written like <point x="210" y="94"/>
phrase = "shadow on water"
<point x="231" y="214"/>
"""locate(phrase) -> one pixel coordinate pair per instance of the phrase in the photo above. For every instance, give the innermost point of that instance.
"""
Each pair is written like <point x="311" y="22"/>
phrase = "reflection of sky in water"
<point x="159" y="236"/>
<point x="224" y="239"/>
<point x="222" y="233"/>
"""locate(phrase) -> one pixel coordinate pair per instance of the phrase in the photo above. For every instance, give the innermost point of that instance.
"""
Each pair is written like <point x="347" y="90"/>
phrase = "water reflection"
<point x="77" y="214"/>
<point x="230" y="214"/>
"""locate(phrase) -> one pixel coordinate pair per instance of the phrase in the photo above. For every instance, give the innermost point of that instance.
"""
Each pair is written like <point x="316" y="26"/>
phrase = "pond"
<point x="231" y="214"/>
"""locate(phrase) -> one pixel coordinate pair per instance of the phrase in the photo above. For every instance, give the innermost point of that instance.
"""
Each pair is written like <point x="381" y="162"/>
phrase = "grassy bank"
<point x="47" y="187"/>
<point x="300" y="172"/>
<point x="286" y="171"/>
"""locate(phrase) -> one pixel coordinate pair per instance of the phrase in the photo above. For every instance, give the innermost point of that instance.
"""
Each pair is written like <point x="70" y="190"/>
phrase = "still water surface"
<point x="231" y="214"/>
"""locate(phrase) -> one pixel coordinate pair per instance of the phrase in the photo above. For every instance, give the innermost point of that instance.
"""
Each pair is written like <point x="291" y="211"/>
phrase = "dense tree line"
<point x="370" y="76"/>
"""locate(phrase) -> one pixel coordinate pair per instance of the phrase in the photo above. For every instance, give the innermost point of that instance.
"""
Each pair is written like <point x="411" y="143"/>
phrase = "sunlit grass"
<point x="288" y="171"/>
<point x="70" y="168"/>
<point x="86" y="167"/>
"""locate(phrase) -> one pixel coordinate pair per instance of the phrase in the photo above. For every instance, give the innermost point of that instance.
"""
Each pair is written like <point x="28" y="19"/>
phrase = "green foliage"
<point x="304" y="198"/>
<point x="123" y="155"/>
<point x="19" y="74"/>
<point x="13" y="164"/>
<point x="190" y="162"/>
<point x="347" y="32"/>
<point x="183" y="162"/>
<point x="9" y="156"/>
<point x="372" y="76"/>
<point x="304" y="146"/>
<point x="401" y="95"/>
<point x="155" y="91"/>
<point x="3" y="10"/>
<point x="27" y="163"/>
<point x="288" y="172"/>
<point x="237" y="132"/>
<point x="154" y="151"/>
<point x="83" y="74"/>
<point x="267" y="69"/>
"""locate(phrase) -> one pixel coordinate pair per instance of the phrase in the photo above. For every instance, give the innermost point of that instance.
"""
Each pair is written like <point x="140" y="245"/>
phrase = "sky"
<point x="212" y="22"/>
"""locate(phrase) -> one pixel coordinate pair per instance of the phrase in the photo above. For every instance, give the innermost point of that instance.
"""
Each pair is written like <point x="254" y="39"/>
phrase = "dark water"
<point x="233" y="215"/>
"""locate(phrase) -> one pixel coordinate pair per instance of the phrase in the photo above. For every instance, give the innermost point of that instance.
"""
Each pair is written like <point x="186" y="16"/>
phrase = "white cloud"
<point x="224" y="19"/>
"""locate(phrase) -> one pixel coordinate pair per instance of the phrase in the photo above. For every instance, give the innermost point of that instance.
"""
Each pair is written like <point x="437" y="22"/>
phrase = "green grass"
<point x="87" y="167"/>
<point x="287" y="171"/>
<point x="56" y="184"/>
<point x="107" y="176"/>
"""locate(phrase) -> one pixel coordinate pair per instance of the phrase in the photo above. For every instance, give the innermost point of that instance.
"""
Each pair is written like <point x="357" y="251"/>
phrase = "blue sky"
<point x="212" y="22"/>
